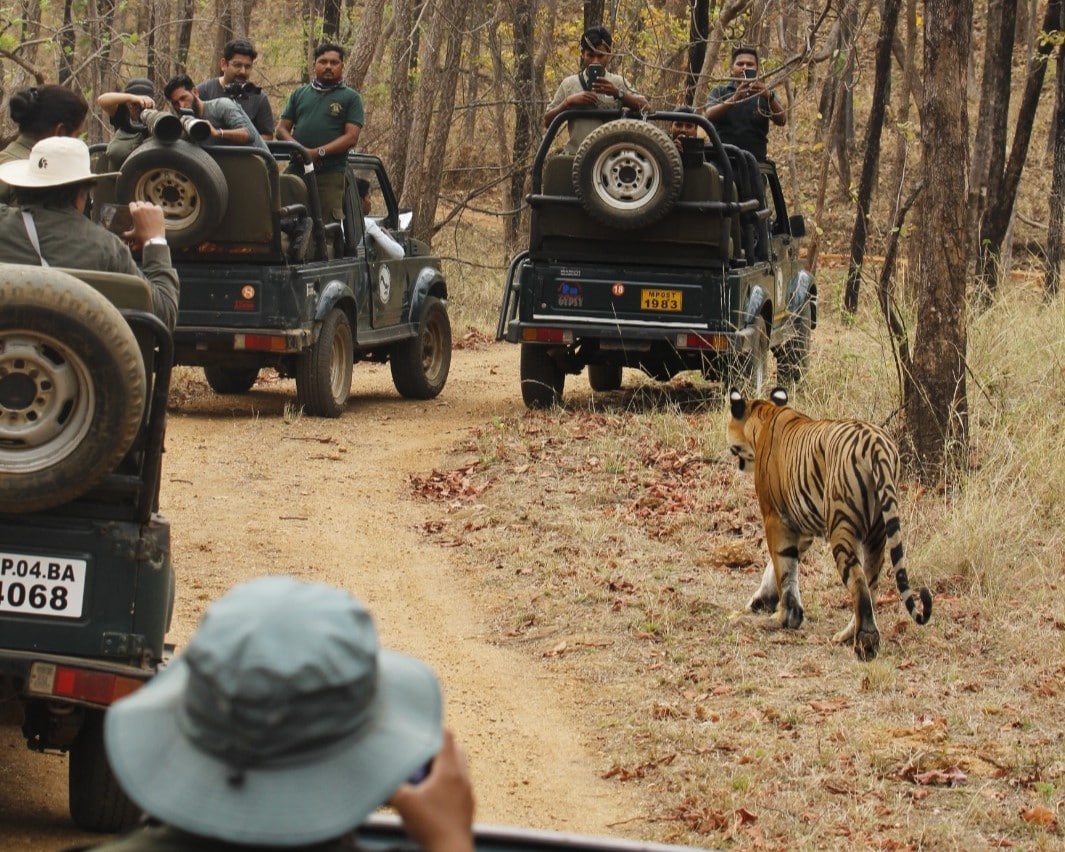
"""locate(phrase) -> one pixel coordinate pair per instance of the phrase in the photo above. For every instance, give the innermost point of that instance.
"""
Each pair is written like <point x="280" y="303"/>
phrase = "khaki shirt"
<point x="17" y="150"/>
<point x="69" y="239"/>
<point x="581" y="127"/>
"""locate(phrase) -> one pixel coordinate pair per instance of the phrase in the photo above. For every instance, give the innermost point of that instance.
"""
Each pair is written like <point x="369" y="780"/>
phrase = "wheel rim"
<point x="47" y="401"/>
<point x="626" y="177"/>
<point x="174" y="192"/>
<point x="432" y="349"/>
<point x="340" y="360"/>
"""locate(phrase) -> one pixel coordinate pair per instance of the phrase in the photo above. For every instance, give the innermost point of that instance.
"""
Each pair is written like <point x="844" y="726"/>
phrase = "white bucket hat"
<point x="282" y="724"/>
<point x="54" y="161"/>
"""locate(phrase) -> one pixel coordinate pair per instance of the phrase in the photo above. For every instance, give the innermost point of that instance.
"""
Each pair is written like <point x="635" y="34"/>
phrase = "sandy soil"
<point x="250" y="488"/>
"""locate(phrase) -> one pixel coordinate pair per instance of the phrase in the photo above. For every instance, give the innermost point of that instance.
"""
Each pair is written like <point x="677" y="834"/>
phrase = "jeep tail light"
<point x="80" y="684"/>
<point x="702" y="341"/>
<point x="546" y="335"/>
<point x="267" y="342"/>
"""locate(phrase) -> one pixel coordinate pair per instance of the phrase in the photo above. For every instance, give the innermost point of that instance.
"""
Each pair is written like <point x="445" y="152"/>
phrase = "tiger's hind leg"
<point x="861" y="632"/>
<point x="768" y="595"/>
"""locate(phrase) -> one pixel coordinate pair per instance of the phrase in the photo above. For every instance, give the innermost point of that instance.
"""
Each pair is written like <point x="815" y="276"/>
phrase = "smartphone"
<point x="594" y="72"/>
<point x="421" y="773"/>
<point x="116" y="218"/>
<point x="750" y="73"/>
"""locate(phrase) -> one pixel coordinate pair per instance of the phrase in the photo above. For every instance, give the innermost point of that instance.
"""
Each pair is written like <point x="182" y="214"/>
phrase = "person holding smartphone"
<point x="742" y="108"/>
<point x="593" y="87"/>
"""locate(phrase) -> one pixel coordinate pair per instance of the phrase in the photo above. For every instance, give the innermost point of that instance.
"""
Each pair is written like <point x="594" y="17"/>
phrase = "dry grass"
<point x="625" y="543"/>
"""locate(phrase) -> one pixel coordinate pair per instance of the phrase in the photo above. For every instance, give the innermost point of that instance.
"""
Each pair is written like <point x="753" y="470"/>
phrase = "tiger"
<point x="833" y="479"/>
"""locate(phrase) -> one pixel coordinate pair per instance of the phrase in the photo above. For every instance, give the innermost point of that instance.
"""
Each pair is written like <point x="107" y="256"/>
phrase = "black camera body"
<point x="242" y="90"/>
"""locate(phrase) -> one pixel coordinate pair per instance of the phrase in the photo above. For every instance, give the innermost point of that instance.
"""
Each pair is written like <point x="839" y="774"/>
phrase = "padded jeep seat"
<point x="293" y="190"/>
<point x="128" y="292"/>
<point x="254" y="195"/>
<point x="562" y="228"/>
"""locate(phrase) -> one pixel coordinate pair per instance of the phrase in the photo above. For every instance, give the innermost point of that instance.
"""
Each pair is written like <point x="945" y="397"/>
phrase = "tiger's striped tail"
<point x="886" y="464"/>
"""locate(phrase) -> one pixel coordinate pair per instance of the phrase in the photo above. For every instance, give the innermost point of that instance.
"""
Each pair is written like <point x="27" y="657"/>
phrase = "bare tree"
<point x="888" y="24"/>
<point x="526" y="114"/>
<point x="937" y="418"/>
<point x="996" y="218"/>
<point x="1052" y="283"/>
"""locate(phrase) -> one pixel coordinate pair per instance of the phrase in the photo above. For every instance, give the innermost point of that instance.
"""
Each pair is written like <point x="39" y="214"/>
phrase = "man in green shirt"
<point x="325" y="117"/>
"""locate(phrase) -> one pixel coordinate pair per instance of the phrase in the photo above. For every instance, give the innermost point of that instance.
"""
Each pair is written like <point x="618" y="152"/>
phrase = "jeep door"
<point x="389" y="280"/>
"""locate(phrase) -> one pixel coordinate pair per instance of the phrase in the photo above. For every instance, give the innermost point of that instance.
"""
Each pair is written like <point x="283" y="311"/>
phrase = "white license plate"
<point x="42" y="585"/>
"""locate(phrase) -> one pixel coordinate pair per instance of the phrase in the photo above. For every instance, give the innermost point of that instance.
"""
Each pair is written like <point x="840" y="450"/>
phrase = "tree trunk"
<point x="1056" y="220"/>
<point x="525" y="114"/>
<point x="995" y="221"/>
<point x="184" y="35"/>
<point x="936" y="405"/>
<point x="873" y="130"/>
<point x="593" y="13"/>
<point x="400" y="90"/>
<point x="331" y="20"/>
<point x="66" y="43"/>
<point x="362" y="51"/>
<point x="698" y="33"/>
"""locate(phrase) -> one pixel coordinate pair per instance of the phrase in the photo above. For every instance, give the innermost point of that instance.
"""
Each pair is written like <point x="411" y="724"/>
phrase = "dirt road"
<point x="252" y="488"/>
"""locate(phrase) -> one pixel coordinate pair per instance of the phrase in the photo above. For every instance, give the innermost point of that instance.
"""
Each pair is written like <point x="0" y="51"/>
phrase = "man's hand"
<point x="148" y="222"/>
<point x="438" y="813"/>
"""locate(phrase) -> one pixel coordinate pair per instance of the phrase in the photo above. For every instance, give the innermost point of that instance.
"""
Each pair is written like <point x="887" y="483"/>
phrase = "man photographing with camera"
<point x="238" y="56"/>
<point x="742" y="108"/>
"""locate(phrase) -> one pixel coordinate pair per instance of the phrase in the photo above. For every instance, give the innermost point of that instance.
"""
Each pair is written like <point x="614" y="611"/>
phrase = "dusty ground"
<point x="250" y="488"/>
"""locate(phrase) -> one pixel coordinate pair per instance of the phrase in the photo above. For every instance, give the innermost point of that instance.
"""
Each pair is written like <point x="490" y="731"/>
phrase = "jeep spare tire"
<point x="182" y="179"/>
<point x="627" y="173"/>
<point x="72" y="388"/>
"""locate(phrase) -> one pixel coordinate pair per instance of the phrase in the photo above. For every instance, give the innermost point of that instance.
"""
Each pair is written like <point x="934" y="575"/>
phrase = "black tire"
<point x="604" y="377"/>
<point x="627" y="173"/>
<point x="793" y="356"/>
<point x="183" y="180"/>
<point x="747" y="371"/>
<point x="420" y="366"/>
<point x="231" y="380"/>
<point x="96" y="800"/>
<point x="72" y="388"/>
<point x="542" y="379"/>
<point x="323" y="372"/>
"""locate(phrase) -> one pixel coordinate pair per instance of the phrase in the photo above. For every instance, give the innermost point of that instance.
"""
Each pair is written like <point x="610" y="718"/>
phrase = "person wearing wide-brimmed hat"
<point x="283" y="725"/>
<point x="49" y="228"/>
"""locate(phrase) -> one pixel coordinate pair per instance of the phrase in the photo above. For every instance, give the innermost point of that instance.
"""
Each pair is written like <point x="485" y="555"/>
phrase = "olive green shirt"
<point x="69" y="239"/>
<point x="164" y="838"/>
<point x="17" y="150"/>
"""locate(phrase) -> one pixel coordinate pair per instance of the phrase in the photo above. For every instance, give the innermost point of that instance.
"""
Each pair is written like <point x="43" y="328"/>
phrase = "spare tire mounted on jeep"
<point x="72" y="388"/>
<point x="627" y="173"/>
<point x="182" y="179"/>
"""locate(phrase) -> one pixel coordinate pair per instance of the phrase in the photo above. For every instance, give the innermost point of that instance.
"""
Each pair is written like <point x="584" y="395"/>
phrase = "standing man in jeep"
<point x="238" y="56"/>
<point x="742" y="108"/>
<point x="325" y="118"/>
<point x="593" y="87"/>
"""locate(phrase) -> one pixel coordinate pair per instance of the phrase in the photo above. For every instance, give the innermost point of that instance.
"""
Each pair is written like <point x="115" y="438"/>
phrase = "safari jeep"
<point x="264" y="283"/>
<point x="649" y="257"/>
<point x="86" y="584"/>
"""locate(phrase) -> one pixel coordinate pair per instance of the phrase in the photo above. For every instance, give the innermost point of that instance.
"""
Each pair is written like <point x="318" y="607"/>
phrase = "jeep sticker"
<point x="570" y="295"/>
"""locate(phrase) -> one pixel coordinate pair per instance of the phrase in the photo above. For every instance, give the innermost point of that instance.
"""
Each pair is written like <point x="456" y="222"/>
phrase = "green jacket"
<point x="69" y="239"/>
<point x="17" y="150"/>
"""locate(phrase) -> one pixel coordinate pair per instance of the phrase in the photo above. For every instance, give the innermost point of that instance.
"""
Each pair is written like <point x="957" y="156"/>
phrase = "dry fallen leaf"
<point x="1040" y="815"/>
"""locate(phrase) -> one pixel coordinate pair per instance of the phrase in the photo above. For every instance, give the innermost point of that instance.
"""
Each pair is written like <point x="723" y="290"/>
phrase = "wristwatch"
<point x="620" y="95"/>
<point x="321" y="152"/>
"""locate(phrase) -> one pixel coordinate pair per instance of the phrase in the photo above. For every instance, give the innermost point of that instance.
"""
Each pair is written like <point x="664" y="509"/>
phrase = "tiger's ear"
<point x="737" y="404"/>
<point x="779" y="396"/>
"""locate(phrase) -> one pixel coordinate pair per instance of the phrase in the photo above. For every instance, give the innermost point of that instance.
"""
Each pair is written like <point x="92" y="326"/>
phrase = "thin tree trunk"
<point x="362" y="50"/>
<point x="524" y="112"/>
<point x="1056" y="219"/>
<point x="593" y="13"/>
<point x="888" y="23"/>
<point x="996" y="219"/>
<point x="937" y="418"/>
<point x="400" y="89"/>
<point x="885" y="293"/>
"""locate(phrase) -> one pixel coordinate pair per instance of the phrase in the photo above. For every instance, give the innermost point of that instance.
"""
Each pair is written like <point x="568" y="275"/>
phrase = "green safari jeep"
<point x="86" y="583"/>
<point x="663" y="257"/>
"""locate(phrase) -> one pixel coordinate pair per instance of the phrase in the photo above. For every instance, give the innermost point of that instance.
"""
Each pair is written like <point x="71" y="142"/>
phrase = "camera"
<point x="239" y="90"/>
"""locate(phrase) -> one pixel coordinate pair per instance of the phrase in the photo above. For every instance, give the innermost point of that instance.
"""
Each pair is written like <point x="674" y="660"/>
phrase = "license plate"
<point x="42" y="585"/>
<point x="661" y="300"/>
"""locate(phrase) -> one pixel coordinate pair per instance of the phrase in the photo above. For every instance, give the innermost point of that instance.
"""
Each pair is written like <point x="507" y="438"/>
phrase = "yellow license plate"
<point x="661" y="300"/>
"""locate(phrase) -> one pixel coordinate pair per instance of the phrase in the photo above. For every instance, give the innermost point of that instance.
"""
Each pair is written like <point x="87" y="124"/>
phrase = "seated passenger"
<point x="50" y="228"/>
<point x="229" y="123"/>
<point x="598" y="90"/>
<point x="680" y="130"/>
<point x="391" y="249"/>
